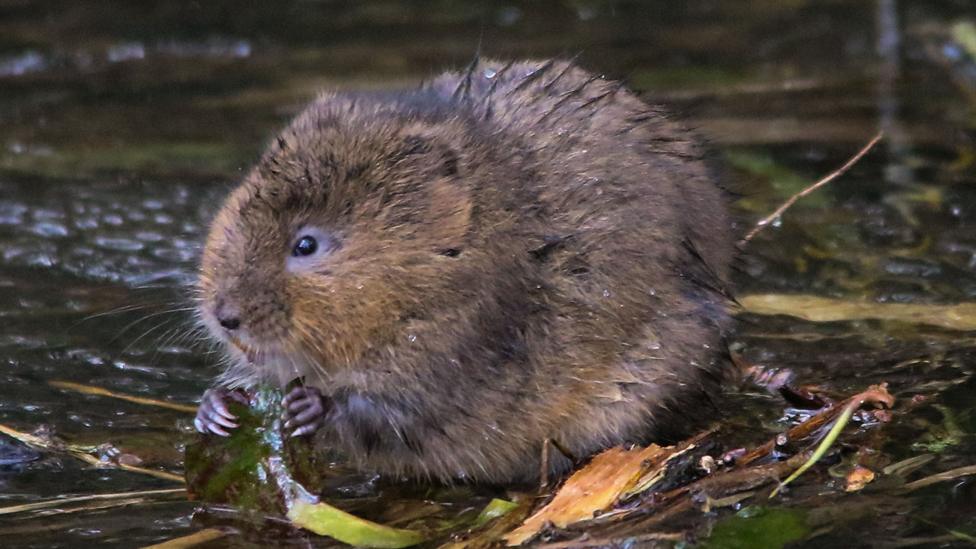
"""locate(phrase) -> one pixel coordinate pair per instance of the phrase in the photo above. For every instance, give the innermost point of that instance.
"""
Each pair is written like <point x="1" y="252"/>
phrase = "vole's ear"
<point x="436" y="156"/>
<point x="448" y="204"/>
<point x="450" y="215"/>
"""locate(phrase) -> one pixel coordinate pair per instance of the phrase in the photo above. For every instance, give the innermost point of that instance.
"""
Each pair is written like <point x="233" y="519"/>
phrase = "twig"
<point x="196" y="538"/>
<point x="91" y="390"/>
<point x="83" y="454"/>
<point x="940" y="477"/>
<point x="792" y="200"/>
<point x="579" y="543"/>
<point x="92" y="460"/>
<point x="75" y="499"/>
<point x="874" y="394"/>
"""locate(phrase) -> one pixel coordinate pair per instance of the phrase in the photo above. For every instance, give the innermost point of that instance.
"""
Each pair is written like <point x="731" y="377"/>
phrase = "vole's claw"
<point x="307" y="429"/>
<point x="223" y="421"/>
<point x="217" y="430"/>
<point x="213" y="415"/>
<point x="304" y="410"/>
<point x="238" y="396"/>
<point x="309" y="414"/>
<point x="217" y="405"/>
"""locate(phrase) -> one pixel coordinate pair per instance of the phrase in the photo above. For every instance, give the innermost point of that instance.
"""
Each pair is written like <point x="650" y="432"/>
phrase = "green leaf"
<point x="325" y="520"/>
<point x="495" y="508"/>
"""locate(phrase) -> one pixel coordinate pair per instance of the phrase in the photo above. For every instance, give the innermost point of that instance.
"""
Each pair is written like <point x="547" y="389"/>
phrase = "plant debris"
<point x="593" y="489"/>
<point x="254" y="470"/>
<point x="635" y="494"/>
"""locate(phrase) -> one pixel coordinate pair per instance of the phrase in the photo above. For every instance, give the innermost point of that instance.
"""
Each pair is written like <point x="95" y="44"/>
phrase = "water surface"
<point x="124" y="123"/>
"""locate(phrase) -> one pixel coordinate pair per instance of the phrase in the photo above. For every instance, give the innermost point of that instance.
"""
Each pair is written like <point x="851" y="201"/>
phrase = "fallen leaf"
<point x="594" y="488"/>
<point x="495" y="508"/>
<point x="326" y="520"/>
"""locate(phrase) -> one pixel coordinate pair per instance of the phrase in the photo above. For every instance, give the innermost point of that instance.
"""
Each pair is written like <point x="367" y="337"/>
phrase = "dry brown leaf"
<point x="595" y="487"/>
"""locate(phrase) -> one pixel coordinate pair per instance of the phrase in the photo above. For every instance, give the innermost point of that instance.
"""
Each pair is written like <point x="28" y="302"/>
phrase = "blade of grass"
<point x="825" y="444"/>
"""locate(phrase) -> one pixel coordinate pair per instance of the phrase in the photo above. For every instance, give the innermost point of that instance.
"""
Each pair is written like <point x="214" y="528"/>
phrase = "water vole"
<point x="518" y="252"/>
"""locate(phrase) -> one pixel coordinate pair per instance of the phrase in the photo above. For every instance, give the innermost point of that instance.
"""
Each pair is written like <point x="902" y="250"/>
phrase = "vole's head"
<point x="353" y="223"/>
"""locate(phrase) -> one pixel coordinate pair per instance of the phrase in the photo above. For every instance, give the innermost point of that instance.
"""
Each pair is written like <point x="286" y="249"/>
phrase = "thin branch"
<point x="92" y="390"/>
<point x="940" y="477"/>
<point x="75" y="499"/>
<point x="792" y="200"/>
<point x="83" y="453"/>
<point x="196" y="538"/>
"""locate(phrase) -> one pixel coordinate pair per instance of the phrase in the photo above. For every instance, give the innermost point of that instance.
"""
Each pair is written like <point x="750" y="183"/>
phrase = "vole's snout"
<point x="228" y="315"/>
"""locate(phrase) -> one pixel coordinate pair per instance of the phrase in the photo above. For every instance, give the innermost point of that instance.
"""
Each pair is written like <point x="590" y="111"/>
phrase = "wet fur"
<point x="527" y="251"/>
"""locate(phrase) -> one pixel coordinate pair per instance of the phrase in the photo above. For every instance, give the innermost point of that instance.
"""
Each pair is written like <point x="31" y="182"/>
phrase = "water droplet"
<point x="113" y="219"/>
<point x="126" y="51"/>
<point x="490" y="73"/>
<point x="29" y="61"/>
<point x="118" y="244"/>
<point x="49" y="230"/>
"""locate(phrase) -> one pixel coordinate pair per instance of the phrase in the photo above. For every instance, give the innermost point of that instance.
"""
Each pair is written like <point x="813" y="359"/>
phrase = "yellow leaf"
<point x="326" y="520"/>
<point x="593" y="488"/>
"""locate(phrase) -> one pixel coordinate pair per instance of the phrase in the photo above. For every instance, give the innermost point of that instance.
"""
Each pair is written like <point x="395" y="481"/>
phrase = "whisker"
<point x="144" y="334"/>
<point x="145" y="318"/>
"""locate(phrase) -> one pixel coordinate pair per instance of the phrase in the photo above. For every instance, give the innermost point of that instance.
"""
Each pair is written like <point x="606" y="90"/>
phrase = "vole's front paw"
<point x="304" y="410"/>
<point x="213" y="415"/>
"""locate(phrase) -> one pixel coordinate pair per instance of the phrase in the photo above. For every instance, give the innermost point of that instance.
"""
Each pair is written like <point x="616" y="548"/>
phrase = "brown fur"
<point x="528" y="251"/>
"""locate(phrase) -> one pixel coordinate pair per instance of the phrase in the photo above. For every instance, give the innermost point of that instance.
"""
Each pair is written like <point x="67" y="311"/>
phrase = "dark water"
<point x="123" y="123"/>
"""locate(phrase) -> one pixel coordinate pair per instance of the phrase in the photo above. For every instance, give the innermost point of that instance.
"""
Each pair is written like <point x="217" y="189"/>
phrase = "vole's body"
<point x="520" y="252"/>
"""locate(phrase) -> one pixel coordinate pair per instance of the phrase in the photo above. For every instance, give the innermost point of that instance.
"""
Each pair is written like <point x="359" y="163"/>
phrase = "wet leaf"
<point x="326" y="520"/>
<point x="592" y="489"/>
<point x="495" y="508"/>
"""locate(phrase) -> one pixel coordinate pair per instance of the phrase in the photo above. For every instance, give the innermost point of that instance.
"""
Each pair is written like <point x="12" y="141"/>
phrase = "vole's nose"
<point x="228" y="316"/>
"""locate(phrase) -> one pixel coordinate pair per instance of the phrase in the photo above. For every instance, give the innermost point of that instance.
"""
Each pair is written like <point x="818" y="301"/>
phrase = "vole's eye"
<point x="311" y="246"/>
<point x="306" y="245"/>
